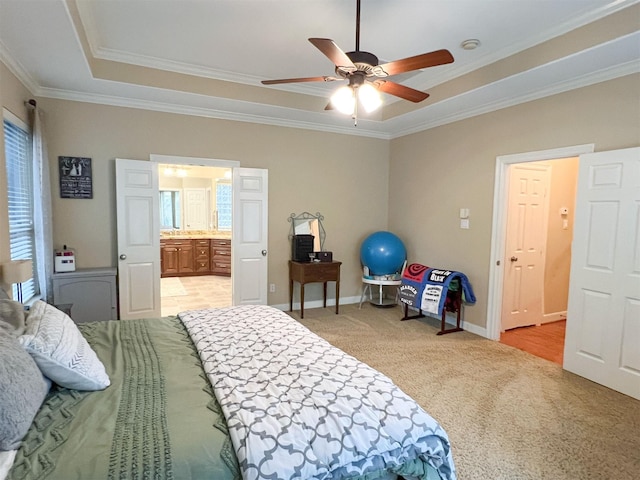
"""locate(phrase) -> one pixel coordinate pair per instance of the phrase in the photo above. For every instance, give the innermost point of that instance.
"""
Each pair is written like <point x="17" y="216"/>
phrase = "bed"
<point x="234" y="393"/>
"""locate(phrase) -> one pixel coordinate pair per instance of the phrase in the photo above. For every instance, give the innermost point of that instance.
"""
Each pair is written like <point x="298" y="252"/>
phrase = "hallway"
<point x="545" y="341"/>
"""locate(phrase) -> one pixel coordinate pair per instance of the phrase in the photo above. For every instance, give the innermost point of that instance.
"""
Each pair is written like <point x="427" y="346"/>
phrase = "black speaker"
<point x="301" y="247"/>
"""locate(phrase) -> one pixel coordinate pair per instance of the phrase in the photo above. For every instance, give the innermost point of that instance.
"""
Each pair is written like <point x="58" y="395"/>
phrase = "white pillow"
<point x="60" y="350"/>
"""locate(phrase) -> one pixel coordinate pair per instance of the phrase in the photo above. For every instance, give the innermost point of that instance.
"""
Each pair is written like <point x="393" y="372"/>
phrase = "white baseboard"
<point x="554" y="317"/>
<point x="450" y="318"/>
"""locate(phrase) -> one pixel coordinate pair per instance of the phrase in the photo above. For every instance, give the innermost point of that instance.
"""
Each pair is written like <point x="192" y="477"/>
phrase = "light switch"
<point x="464" y="223"/>
<point x="464" y="213"/>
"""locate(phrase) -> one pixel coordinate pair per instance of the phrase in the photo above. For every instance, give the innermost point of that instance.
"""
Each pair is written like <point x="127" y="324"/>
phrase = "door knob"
<point x="514" y="259"/>
<point x="264" y="253"/>
<point x="123" y="257"/>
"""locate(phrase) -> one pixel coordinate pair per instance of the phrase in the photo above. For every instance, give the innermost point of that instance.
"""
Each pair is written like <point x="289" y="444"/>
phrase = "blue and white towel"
<point x="426" y="288"/>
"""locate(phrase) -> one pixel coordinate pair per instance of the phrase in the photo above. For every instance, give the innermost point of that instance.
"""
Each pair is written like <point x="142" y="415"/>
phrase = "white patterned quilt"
<point x="300" y="408"/>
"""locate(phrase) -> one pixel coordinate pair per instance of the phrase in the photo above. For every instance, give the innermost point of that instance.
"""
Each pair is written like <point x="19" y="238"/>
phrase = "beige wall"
<point x="564" y="177"/>
<point x="436" y="172"/>
<point x="413" y="186"/>
<point x="340" y="176"/>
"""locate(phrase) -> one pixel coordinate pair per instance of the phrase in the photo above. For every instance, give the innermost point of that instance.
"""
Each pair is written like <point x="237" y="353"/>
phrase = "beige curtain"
<point x="42" y="208"/>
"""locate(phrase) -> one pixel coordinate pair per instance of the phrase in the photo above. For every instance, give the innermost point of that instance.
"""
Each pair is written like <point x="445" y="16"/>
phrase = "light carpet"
<point x="509" y="415"/>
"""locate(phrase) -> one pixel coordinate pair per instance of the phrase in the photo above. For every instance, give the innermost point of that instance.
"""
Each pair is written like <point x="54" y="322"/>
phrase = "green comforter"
<point x="158" y="419"/>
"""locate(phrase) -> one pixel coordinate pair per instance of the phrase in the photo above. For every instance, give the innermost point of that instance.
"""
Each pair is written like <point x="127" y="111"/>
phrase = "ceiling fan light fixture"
<point x="357" y="66"/>
<point x="369" y="97"/>
<point x="343" y="100"/>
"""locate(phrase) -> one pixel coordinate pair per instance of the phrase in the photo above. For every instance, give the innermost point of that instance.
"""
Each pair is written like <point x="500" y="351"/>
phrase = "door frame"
<point x="499" y="224"/>
<point x="202" y="162"/>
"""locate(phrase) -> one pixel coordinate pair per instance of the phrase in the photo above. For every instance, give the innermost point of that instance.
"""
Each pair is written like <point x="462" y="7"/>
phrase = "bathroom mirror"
<point x="308" y="224"/>
<point x="194" y="198"/>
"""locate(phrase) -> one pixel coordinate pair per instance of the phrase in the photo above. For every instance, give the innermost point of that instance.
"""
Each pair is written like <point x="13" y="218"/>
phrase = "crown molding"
<point x="19" y="71"/>
<point x="603" y="75"/>
<point x="164" y="107"/>
<point x="438" y="77"/>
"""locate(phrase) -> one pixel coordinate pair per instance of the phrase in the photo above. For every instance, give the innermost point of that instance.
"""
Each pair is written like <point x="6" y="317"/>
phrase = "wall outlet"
<point x="272" y="287"/>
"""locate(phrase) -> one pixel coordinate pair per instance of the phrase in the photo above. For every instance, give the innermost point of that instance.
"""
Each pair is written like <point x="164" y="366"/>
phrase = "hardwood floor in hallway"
<point x="192" y="293"/>
<point x="546" y="340"/>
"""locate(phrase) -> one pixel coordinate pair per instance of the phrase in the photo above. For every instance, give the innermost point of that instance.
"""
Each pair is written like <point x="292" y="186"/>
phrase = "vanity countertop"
<point x="195" y="234"/>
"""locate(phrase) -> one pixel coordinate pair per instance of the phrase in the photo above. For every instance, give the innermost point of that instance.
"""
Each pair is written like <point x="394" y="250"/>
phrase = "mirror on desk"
<point x="309" y="224"/>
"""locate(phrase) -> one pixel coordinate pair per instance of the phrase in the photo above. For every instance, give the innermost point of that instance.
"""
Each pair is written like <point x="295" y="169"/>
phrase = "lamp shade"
<point x="369" y="97"/>
<point x="344" y="100"/>
<point x="17" y="271"/>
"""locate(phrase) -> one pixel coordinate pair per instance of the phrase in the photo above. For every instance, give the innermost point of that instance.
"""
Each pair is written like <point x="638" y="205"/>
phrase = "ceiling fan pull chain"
<point x="355" y="109"/>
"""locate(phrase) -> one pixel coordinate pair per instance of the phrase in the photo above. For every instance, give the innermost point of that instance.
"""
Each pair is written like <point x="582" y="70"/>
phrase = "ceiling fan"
<point x="365" y="75"/>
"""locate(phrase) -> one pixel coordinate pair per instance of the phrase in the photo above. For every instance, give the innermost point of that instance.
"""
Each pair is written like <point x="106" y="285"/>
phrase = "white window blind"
<point x="223" y="205"/>
<point x="17" y="142"/>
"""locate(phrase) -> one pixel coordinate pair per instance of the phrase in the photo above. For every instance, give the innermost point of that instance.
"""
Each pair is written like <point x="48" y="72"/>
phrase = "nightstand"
<point x="310" y="272"/>
<point x="91" y="291"/>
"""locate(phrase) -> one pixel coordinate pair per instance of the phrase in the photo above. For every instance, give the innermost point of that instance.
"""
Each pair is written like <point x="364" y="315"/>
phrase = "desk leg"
<point x="301" y="300"/>
<point x="291" y="295"/>
<point x="337" y="294"/>
<point x="324" y="290"/>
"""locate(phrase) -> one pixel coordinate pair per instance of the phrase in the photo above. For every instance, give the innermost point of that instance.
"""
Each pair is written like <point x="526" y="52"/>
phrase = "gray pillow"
<point x="22" y="390"/>
<point x="13" y="314"/>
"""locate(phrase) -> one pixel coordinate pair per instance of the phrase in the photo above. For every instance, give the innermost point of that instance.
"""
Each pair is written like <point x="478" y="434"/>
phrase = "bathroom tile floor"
<point x="192" y="293"/>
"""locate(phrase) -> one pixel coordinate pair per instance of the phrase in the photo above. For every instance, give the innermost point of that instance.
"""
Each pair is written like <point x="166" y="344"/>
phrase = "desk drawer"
<point x="320" y="272"/>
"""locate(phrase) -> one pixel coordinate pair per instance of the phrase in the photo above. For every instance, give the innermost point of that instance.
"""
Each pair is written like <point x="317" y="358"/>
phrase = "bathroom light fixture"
<point x="178" y="172"/>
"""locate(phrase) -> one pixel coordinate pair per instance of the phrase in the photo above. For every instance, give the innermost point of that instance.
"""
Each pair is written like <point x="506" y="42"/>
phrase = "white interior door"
<point x="196" y="209"/>
<point x="138" y="223"/>
<point x="525" y="245"/>
<point x="250" y="233"/>
<point x="602" y="340"/>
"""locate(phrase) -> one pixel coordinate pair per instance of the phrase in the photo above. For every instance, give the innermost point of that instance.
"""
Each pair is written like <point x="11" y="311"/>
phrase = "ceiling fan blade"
<point x="401" y="91"/>
<point x="439" y="57"/>
<point x="299" y="80"/>
<point x="334" y="53"/>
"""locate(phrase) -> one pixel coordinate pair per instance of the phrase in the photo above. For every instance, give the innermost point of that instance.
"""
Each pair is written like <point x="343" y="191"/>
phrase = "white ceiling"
<point x="207" y="57"/>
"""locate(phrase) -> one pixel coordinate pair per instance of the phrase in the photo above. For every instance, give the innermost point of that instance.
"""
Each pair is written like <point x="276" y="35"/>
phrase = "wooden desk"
<point x="311" y="272"/>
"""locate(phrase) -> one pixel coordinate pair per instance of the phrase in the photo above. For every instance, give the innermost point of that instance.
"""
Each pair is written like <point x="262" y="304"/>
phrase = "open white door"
<point x="525" y="244"/>
<point x="138" y="223"/>
<point x="603" y="319"/>
<point x="249" y="240"/>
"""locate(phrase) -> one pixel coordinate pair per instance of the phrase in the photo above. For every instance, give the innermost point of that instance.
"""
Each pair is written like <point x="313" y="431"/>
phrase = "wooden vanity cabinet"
<point x="176" y="257"/>
<point x="182" y="257"/>
<point x="221" y="257"/>
<point x="201" y="256"/>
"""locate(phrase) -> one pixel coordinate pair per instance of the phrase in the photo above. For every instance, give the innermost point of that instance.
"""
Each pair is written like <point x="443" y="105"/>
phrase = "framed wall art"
<point x="75" y="177"/>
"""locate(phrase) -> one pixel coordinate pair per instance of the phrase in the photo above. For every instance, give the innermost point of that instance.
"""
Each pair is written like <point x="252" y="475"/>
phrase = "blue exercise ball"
<point x="383" y="253"/>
